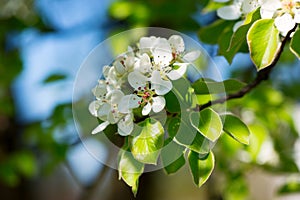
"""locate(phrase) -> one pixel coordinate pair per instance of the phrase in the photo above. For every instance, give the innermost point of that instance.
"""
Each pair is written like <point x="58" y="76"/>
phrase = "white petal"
<point x="144" y="65"/>
<point x="136" y="79"/>
<point x="128" y="102"/>
<point x="231" y="12"/>
<point x="104" y="109"/>
<point x="146" y="43"/>
<point x="268" y="8"/>
<point x="160" y="86"/>
<point x="159" y="103"/>
<point x="146" y="110"/>
<point x="162" y="53"/>
<point x="100" y="127"/>
<point x="177" y="43"/>
<point x="297" y="15"/>
<point x="178" y="73"/>
<point x="105" y="70"/>
<point x="114" y="96"/>
<point x="191" y="56"/>
<point x="119" y="66"/>
<point x="129" y="62"/>
<point x="93" y="107"/>
<point x="125" y="125"/>
<point x="99" y="91"/>
<point x="284" y="23"/>
<point x="249" y="5"/>
<point x="114" y="116"/>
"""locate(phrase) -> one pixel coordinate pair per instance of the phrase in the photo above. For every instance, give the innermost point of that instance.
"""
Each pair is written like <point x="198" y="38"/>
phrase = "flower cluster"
<point x="285" y="12"/>
<point x="139" y="79"/>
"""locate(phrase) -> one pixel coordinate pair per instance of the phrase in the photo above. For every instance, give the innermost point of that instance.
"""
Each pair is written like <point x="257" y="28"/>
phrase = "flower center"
<point x="146" y="93"/>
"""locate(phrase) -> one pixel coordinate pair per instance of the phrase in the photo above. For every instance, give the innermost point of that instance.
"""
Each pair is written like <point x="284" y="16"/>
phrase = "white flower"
<point x="284" y="23"/>
<point x="239" y="9"/>
<point x="139" y="79"/>
<point x="126" y="125"/>
<point x="231" y="12"/>
<point x="156" y="105"/>
<point x="143" y="65"/>
<point x="178" y="72"/>
<point x="128" y="102"/>
<point x="285" y="12"/>
<point x="191" y="56"/>
<point x="100" y="127"/>
<point x="160" y="86"/>
<point x="177" y="44"/>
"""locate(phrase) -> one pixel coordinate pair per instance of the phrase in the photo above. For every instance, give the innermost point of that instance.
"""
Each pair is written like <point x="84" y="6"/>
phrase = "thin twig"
<point x="261" y="76"/>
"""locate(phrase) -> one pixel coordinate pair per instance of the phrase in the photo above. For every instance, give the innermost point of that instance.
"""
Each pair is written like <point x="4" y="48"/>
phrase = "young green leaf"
<point x="201" y="167"/>
<point x="172" y="156"/>
<point x="295" y="44"/>
<point x="238" y="40"/>
<point x="147" y="141"/>
<point x="208" y="86"/>
<point x="264" y="42"/>
<point x="184" y="134"/>
<point x="236" y="128"/>
<point x="208" y="123"/>
<point x="130" y="170"/>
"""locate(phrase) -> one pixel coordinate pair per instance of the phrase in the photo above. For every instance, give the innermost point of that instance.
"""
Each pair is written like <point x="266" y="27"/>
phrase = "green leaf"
<point x="295" y="44"/>
<point x="208" y="86"/>
<point x="238" y="41"/>
<point x="130" y="170"/>
<point x="54" y="77"/>
<point x="236" y="128"/>
<point x="173" y="126"/>
<point x="201" y="166"/>
<point x="264" y="42"/>
<point x="184" y="134"/>
<point x="290" y="187"/>
<point x="172" y="156"/>
<point x="172" y="103"/>
<point x="211" y="33"/>
<point x="147" y="141"/>
<point x="208" y="123"/>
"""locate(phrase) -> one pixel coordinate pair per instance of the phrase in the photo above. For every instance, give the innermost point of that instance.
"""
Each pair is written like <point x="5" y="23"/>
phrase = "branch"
<point x="261" y="76"/>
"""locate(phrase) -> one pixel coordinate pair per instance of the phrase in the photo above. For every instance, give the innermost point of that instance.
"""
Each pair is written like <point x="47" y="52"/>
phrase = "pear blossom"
<point x="139" y="79"/>
<point x="149" y="90"/>
<point x="237" y="10"/>
<point x="285" y="12"/>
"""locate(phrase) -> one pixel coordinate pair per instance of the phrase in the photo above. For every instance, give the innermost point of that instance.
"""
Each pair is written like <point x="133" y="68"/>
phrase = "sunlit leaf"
<point x="208" y="123"/>
<point x="238" y="40"/>
<point x="201" y="166"/>
<point x="264" y="42"/>
<point x="236" y="128"/>
<point x="130" y="170"/>
<point x="186" y="135"/>
<point x="147" y="141"/>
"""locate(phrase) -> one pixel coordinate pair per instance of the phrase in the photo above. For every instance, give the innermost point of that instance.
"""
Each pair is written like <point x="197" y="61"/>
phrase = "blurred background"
<point x="44" y="42"/>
